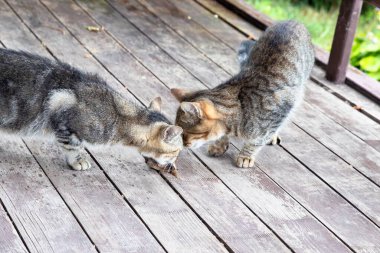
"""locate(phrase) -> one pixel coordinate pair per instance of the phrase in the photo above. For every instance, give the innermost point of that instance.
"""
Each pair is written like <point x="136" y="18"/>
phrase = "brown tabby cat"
<point x="41" y="97"/>
<point x="254" y="104"/>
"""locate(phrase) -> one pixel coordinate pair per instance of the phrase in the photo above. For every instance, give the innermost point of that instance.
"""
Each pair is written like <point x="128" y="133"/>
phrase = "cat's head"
<point x="199" y="118"/>
<point x="163" y="142"/>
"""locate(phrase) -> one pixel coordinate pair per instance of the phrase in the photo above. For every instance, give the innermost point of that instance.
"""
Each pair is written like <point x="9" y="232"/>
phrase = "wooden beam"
<point x="348" y="19"/>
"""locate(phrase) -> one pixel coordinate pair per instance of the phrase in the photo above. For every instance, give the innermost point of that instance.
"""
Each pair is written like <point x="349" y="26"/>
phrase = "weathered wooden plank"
<point x="170" y="42"/>
<point x="348" y="94"/>
<point x="237" y="227"/>
<point x="42" y="218"/>
<point x="353" y="74"/>
<point x="180" y="22"/>
<point x="230" y="18"/>
<point x="334" y="171"/>
<point x="20" y="37"/>
<point x="153" y="71"/>
<point x="265" y="198"/>
<point x="150" y="54"/>
<point x="355" y="77"/>
<point x="112" y="55"/>
<point x="208" y="239"/>
<point x="368" y="160"/>
<point x="335" y="137"/>
<point x="108" y="223"/>
<point x="345" y="29"/>
<point x="354" y="121"/>
<point x="107" y="218"/>
<point x="361" y="218"/>
<point x="200" y="15"/>
<point x="227" y="229"/>
<point x="44" y="223"/>
<point x="10" y="242"/>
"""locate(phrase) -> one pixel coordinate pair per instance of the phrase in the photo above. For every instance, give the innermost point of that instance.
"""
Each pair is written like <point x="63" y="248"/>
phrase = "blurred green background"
<point x="320" y="17"/>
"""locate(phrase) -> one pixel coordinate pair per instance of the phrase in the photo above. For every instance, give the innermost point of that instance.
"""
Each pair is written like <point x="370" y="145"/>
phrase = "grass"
<point x="321" y="22"/>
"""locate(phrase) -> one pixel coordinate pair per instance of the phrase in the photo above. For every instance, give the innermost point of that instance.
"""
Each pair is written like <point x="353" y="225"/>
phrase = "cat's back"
<point x="284" y="48"/>
<point x="23" y="61"/>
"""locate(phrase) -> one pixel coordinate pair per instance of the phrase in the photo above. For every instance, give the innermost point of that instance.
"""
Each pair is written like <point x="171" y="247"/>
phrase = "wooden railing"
<point x="348" y="19"/>
<point x="337" y="64"/>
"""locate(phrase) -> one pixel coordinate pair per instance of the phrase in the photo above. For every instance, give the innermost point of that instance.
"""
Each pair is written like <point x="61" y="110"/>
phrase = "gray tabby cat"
<point x="43" y="97"/>
<point x="254" y="104"/>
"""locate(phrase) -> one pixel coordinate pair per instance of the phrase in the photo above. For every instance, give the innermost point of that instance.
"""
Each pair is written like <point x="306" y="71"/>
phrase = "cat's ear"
<point x="191" y="108"/>
<point x="155" y="105"/>
<point x="179" y="94"/>
<point x="171" y="133"/>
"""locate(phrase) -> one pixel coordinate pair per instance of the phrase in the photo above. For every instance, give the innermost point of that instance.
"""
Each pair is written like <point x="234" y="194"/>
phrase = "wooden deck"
<point x="317" y="192"/>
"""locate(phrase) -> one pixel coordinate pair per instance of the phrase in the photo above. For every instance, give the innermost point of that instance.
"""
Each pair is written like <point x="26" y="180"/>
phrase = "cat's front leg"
<point x="276" y="139"/>
<point x="219" y="147"/>
<point x="246" y="156"/>
<point x="76" y="156"/>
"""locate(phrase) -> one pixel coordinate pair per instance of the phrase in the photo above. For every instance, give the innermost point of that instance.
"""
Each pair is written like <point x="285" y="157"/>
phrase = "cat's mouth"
<point x="169" y="167"/>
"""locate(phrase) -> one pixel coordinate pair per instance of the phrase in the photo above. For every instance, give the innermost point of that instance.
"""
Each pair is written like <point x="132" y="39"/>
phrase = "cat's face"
<point x="163" y="144"/>
<point x="163" y="141"/>
<point x="200" y="121"/>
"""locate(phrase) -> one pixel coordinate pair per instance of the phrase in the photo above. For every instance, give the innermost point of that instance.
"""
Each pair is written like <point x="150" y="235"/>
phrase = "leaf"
<point x="94" y="28"/>
<point x="375" y="75"/>
<point x="370" y="63"/>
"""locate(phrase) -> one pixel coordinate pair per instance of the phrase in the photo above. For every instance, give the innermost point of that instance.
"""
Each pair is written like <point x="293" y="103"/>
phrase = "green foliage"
<point x="365" y="53"/>
<point x="319" y="4"/>
<point x="320" y="16"/>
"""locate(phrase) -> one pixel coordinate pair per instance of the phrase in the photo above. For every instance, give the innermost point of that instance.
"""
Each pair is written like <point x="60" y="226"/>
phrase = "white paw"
<point x="245" y="162"/>
<point x="276" y="140"/>
<point x="80" y="164"/>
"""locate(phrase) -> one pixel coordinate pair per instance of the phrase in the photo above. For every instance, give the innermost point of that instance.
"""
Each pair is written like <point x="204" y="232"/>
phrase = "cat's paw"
<point x="217" y="149"/>
<point x="245" y="161"/>
<point x="80" y="164"/>
<point x="276" y="140"/>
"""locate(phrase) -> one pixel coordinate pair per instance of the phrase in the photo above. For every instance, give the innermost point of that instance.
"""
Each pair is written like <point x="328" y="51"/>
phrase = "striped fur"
<point x="40" y="97"/>
<point x="255" y="103"/>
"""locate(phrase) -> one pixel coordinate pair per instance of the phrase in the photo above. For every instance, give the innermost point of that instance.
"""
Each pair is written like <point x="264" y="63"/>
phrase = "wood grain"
<point x="10" y="242"/>
<point x="173" y="44"/>
<point x="42" y="218"/>
<point x="214" y="25"/>
<point x="270" y="202"/>
<point x="131" y="39"/>
<point x="237" y="227"/>
<point x="353" y="121"/>
<point x="243" y="242"/>
<point x="108" y="223"/>
<point x="153" y="70"/>
<point x="361" y="218"/>
<point x="184" y="26"/>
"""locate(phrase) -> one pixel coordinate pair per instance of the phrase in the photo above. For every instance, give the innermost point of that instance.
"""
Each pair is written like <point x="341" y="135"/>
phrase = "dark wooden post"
<point x="348" y="19"/>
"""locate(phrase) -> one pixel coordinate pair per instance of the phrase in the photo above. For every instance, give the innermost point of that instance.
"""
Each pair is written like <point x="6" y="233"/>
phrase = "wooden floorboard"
<point x="298" y="198"/>
<point x="128" y="15"/>
<point x="119" y="74"/>
<point x="82" y="191"/>
<point x="37" y="210"/>
<point x="361" y="218"/>
<point x="10" y="241"/>
<point x="366" y="163"/>
<point x="75" y="19"/>
<point x="353" y="120"/>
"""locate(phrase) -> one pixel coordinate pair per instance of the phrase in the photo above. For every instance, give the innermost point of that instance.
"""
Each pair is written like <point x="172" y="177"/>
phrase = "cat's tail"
<point x="244" y="51"/>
